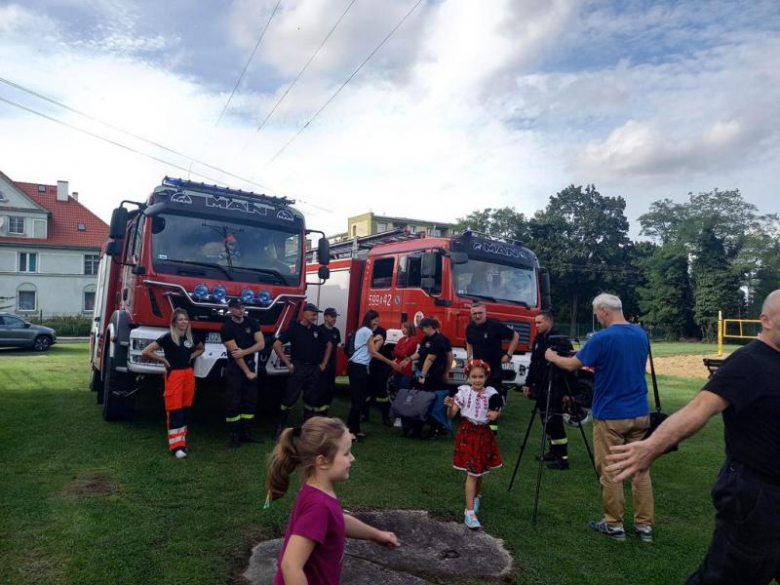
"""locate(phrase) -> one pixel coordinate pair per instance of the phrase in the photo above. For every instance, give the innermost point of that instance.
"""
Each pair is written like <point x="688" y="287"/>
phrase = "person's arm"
<point x="199" y="349"/>
<point x="636" y="458"/>
<point x="374" y="351"/>
<point x="282" y="356"/>
<point x="297" y="553"/>
<point x="326" y="358"/>
<point x="259" y="345"/>
<point x="362" y="531"/>
<point x="149" y="353"/>
<point x="507" y="357"/>
<point x="469" y="352"/>
<point x="231" y="346"/>
<point x="565" y="363"/>
<point x="430" y="358"/>
<point x="452" y="405"/>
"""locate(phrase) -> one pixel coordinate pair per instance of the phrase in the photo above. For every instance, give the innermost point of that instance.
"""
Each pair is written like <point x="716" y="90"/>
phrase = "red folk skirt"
<point x="476" y="449"/>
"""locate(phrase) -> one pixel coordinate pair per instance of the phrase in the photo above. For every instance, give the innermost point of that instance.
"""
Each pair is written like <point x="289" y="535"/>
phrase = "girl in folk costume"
<point x="313" y="549"/>
<point x="476" y="448"/>
<point x="180" y="349"/>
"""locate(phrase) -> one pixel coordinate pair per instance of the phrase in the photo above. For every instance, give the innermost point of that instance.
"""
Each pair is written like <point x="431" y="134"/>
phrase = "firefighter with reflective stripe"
<point x="242" y="339"/>
<point x="536" y="386"/>
<point x="309" y="356"/>
<point x="180" y="349"/>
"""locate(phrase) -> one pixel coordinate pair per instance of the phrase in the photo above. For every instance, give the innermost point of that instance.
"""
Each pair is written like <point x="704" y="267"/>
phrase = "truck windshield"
<point x="220" y="249"/>
<point x="495" y="282"/>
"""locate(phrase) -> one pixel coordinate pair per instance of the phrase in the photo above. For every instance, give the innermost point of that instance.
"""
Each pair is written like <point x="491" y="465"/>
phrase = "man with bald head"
<point x="745" y="547"/>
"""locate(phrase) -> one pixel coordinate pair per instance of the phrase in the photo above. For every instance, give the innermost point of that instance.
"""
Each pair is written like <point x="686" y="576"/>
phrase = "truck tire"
<point x="116" y="407"/>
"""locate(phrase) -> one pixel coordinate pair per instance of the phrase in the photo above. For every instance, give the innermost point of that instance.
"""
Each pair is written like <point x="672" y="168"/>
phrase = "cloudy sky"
<point x="469" y="104"/>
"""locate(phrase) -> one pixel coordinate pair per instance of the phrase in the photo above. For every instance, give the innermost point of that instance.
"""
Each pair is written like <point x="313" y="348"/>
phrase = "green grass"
<point x="85" y="501"/>
<point x="669" y="348"/>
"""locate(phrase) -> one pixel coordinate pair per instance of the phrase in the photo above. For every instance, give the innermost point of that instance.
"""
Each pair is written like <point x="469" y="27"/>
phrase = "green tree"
<point x="667" y="299"/>
<point x="716" y="283"/>
<point x="504" y="222"/>
<point x="582" y="237"/>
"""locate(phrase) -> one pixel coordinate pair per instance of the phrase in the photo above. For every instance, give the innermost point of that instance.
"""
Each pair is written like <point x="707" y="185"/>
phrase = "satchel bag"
<point x="657" y="417"/>
<point x="413" y="404"/>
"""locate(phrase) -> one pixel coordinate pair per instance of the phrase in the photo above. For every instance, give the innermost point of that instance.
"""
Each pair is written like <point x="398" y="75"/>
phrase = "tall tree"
<point x="667" y="299"/>
<point x="582" y="237"/>
<point x="503" y="222"/>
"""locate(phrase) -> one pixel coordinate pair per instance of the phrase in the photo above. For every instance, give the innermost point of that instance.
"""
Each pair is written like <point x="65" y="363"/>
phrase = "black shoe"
<point x="235" y="441"/>
<point x="559" y="465"/>
<point x="547" y="457"/>
<point x="248" y="437"/>
<point x="387" y="421"/>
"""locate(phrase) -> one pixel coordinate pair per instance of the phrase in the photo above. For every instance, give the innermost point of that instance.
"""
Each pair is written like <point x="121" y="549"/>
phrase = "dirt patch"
<point x="91" y="484"/>
<point x="683" y="366"/>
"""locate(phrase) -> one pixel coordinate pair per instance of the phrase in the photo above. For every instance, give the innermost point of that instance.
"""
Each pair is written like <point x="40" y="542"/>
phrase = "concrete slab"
<point x="429" y="549"/>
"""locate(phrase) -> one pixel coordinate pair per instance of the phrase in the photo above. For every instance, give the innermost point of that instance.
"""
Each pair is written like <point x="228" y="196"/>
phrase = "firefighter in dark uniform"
<point x="331" y="335"/>
<point x="536" y="386"/>
<point x="242" y="339"/>
<point x="309" y="356"/>
<point x="484" y="341"/>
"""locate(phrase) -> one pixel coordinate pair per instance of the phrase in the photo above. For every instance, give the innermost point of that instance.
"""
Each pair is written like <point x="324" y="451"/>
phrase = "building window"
<point x="16" y="225"/>
<point x="354" y="231"/>
<point x="412" y="229"/>
<point x="82" y="227"/>
<point x="432" y="231"/>
<point x="28" y="262"/>
<point x="89" y="301"/>
<point x="381" y="227"/>
<point x="25" y="300"/>
<point x="91" y="262"/>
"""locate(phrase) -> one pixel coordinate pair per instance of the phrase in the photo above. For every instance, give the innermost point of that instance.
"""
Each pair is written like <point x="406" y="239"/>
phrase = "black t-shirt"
<point x="306" y="343"/>
<point x="242" y="333"/>
<point x="334" y="337"/>
<point x="436" y="345"/>
<point x="749" y="380"/>
<point x="486" y="341"/>
<point x="178" y="355"/>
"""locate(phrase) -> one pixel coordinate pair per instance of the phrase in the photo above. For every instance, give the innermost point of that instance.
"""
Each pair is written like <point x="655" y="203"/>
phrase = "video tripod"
<point x="554" y="375"/>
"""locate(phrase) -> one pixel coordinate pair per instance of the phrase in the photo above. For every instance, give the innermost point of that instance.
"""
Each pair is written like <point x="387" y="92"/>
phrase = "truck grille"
<point x="523" y="329"/>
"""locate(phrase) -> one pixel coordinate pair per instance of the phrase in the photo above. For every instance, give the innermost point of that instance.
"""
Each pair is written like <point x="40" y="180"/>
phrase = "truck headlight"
<point x="140" y="344"/>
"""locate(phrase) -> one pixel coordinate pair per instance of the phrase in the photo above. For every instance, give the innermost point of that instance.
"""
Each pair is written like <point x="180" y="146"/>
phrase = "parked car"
<point x="16" y="332"/>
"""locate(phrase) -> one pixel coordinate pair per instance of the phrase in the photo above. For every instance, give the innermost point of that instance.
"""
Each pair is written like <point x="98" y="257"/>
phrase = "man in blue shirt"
<point x="618" y="354"/>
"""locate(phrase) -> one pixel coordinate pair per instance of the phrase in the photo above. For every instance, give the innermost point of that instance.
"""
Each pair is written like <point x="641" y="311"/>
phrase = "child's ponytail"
<point x="300" y="447"/>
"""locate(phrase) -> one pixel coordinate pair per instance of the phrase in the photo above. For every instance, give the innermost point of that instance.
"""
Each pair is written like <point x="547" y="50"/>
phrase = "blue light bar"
<point x="219" y="293"/>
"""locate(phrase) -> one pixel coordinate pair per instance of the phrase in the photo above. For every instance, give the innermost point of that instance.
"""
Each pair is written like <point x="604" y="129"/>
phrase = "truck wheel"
<point x="116" y="407"/>
<point x="42" y="343"/>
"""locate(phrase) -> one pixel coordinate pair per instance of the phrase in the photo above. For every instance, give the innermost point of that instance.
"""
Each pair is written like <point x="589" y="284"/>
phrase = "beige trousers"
<point x="619" y="432"/>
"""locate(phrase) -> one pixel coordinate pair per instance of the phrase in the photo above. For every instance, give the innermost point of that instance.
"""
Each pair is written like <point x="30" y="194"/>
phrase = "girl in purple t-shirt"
<point x="313" y="549"/>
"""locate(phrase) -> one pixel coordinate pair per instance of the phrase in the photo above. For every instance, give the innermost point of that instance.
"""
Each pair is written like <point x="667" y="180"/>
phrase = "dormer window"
<point x="82" y="227"/>
<point x="41" y="188"/>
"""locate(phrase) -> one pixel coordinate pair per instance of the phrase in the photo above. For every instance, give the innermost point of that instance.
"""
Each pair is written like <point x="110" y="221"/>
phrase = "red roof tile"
<point x="64" y="218"/>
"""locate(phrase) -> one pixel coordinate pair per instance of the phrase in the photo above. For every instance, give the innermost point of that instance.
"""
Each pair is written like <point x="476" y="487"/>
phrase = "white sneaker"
<point x="180" y="453"/>
<point x="470" y="520"/>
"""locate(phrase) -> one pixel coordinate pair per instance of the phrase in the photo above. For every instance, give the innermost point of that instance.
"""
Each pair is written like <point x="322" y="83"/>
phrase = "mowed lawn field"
<point x="85" y="501"/>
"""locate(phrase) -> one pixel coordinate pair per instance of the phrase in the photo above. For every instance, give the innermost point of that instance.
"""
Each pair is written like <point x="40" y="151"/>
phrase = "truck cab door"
<point x="380" y="296"/>
<point x="416" y="301"/>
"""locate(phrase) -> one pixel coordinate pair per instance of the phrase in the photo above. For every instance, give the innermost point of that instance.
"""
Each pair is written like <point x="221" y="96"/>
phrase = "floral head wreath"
<point x="477" y="364"/>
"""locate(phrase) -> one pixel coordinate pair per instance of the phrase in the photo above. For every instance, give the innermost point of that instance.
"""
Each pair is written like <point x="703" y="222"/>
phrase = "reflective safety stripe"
<point x="559" y="442"/>
<point x="382" y="400"/>
<point x="176" y="440"/>
<point x="177" y="431"/>
<point x="283" y="407"/>
<point x="316" y="408"/>
<point x="233" y="418"/>
<point x="247" y="416"/>
<point x="493" y="427"/>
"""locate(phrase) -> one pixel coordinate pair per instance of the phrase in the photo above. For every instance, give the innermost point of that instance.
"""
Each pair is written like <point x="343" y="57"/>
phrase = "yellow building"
<point x="370" y="223"/>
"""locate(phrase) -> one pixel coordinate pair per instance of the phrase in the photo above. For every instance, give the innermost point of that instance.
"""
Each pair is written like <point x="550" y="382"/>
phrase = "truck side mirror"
<point x="544" y="277"/>
<point x="323" y="252"/>
<point x="323" y="272"/>
<point x="118" y="223"/>
<point x="114" y="248"/>
<point x="154" y="209"/>
<point x="428" y="265"/>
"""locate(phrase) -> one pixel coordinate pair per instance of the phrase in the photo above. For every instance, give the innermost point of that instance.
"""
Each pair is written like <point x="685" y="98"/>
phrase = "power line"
<point x="128" y="133"/>
<point x="135" y="151"/>
<point x="246" y="66"/>
<point x="306" y="66"/>
<point x="343" y="85"/>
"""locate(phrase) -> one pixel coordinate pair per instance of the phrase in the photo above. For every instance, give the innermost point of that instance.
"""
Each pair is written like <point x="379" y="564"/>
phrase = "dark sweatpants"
<point x="358" y="390"/>
<point x="745" y="547"/>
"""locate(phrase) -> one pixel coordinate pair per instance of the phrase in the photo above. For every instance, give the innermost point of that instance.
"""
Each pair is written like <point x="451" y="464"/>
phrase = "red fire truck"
<point x="406" y="276"/>
<point x="192" y="246"/>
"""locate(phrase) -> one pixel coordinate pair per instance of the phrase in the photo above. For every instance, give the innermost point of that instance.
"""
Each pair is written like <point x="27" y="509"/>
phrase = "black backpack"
<point x="349" y="346"/>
